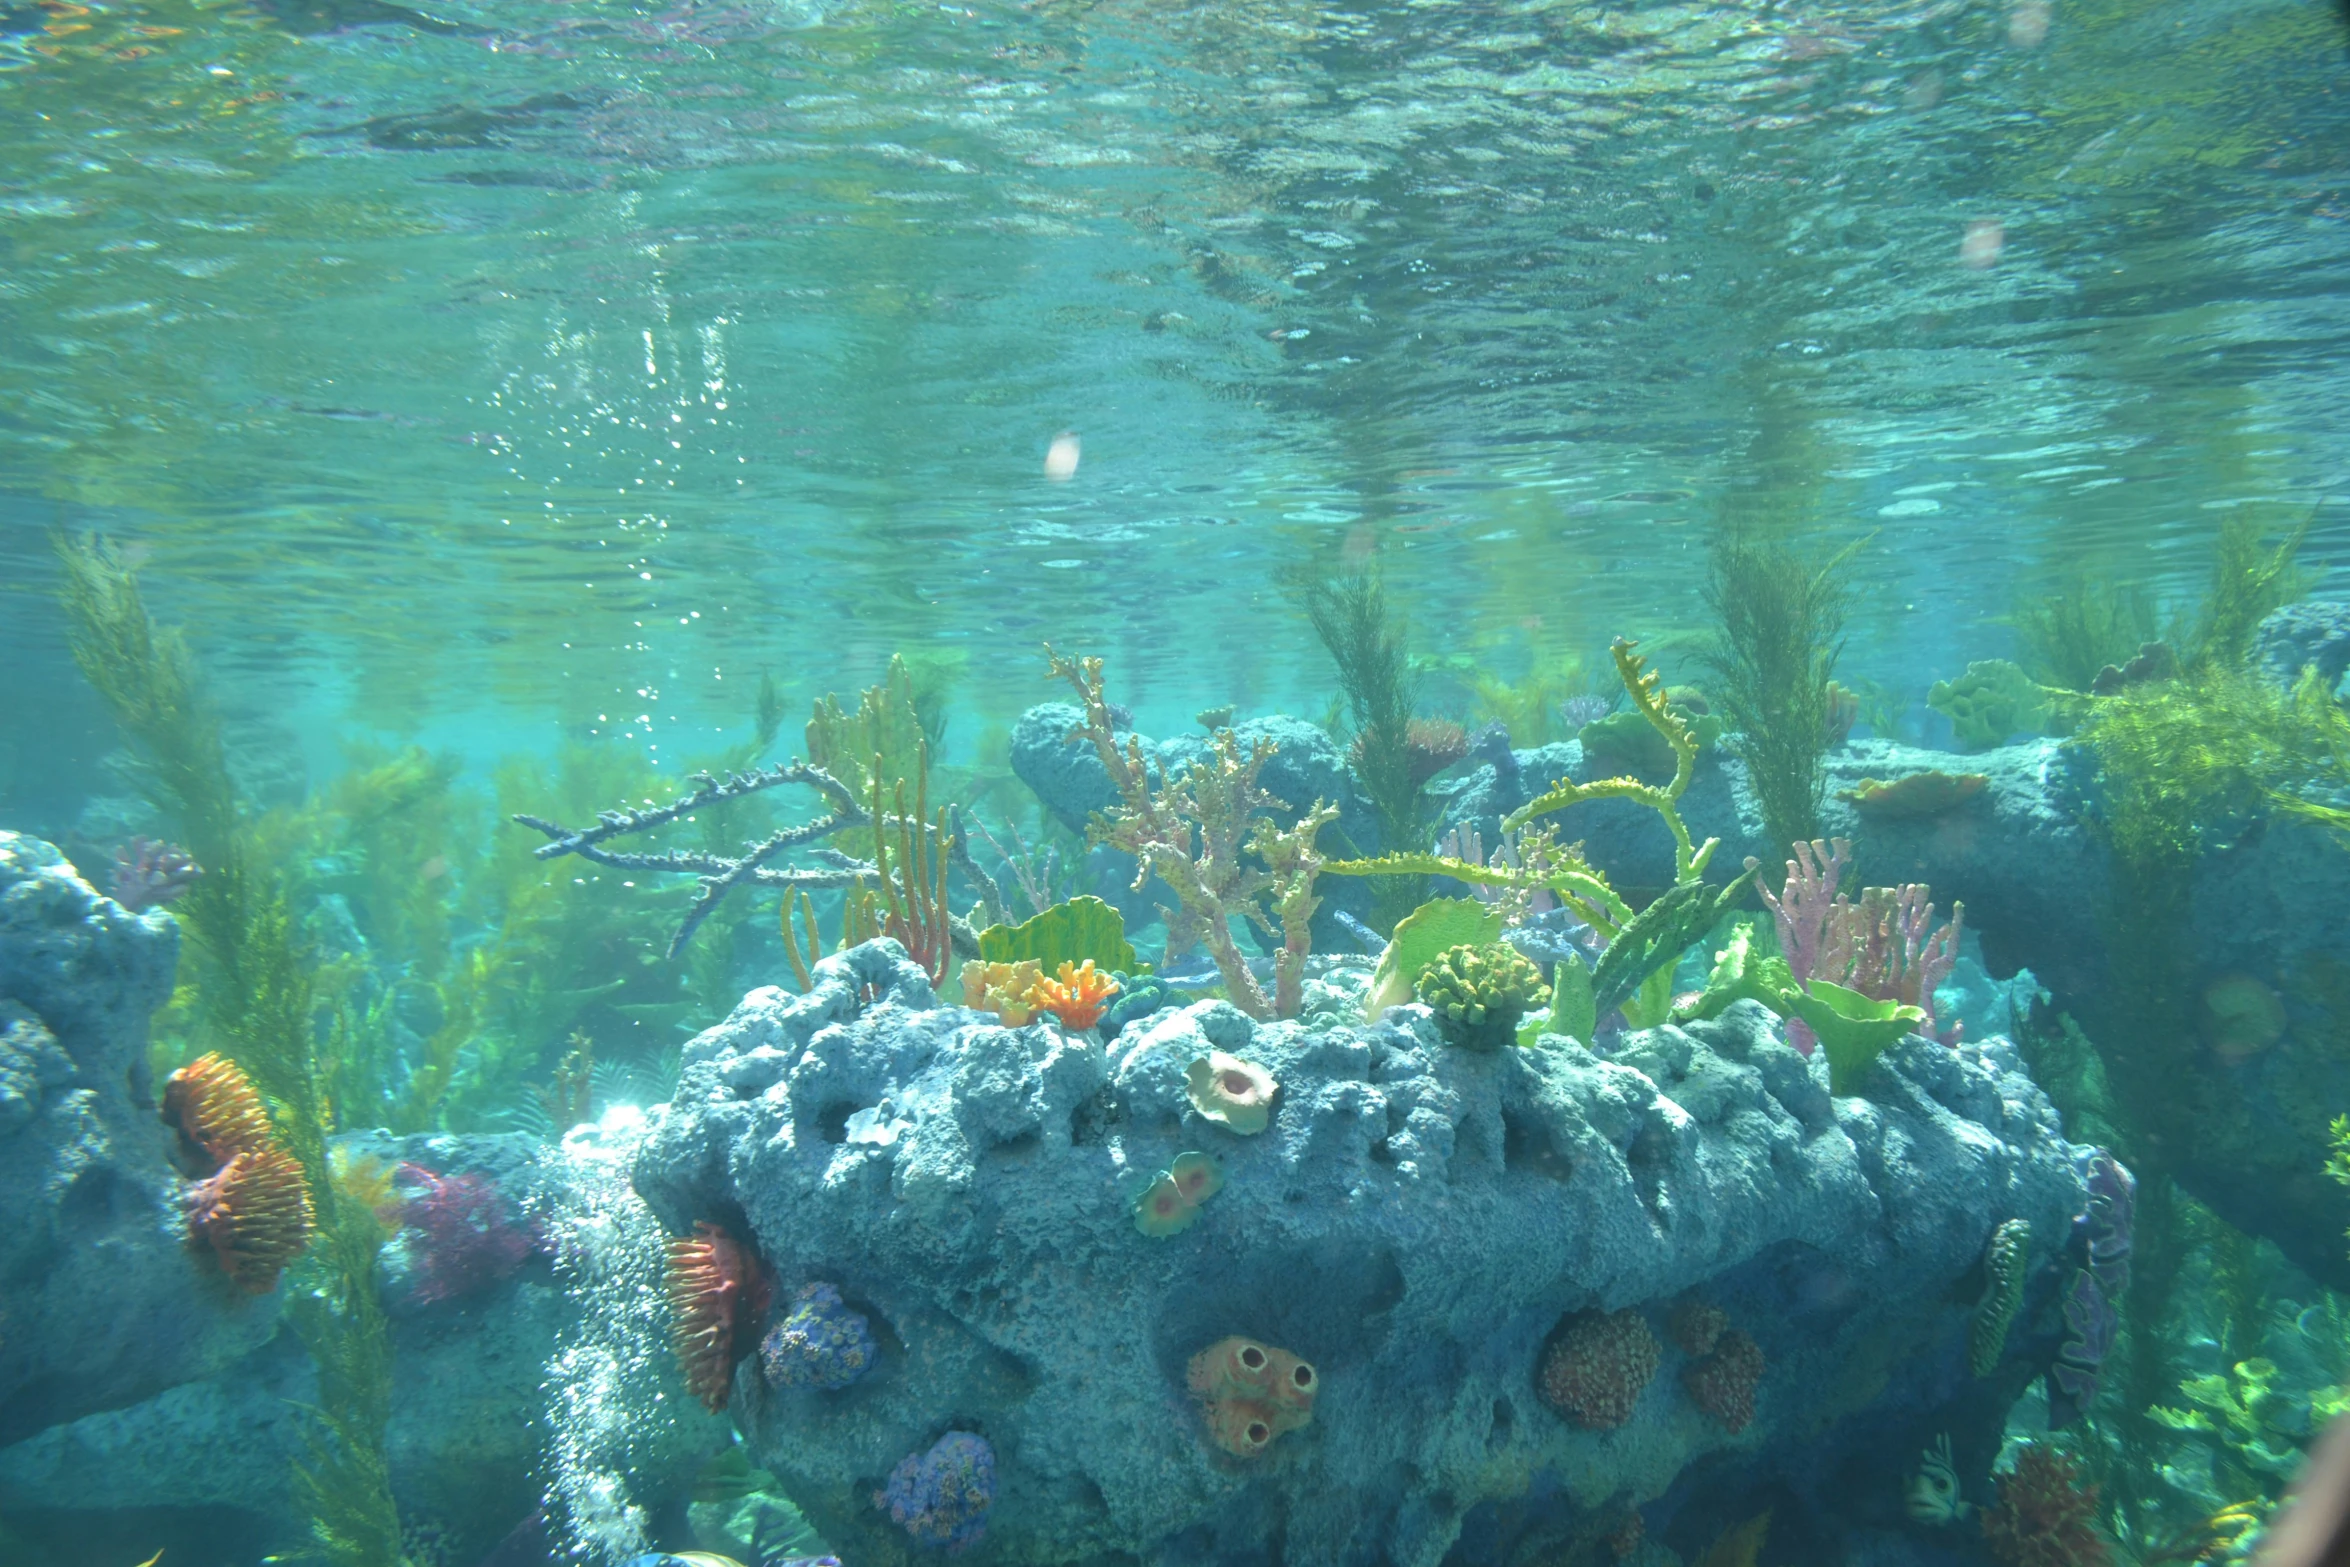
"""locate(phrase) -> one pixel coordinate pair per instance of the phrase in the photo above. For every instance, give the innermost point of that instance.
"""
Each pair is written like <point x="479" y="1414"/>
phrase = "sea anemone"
<point x="1076" y="997"/>
<point x="1173" y="1200"/>
<point x="255" y="1215"/>
<point x="1236" y="1094"/>
<point x="212" y="1104"/>
<point x="717" y="1293"/>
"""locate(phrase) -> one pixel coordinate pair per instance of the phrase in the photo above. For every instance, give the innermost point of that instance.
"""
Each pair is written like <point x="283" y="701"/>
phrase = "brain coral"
<point x="1594" y="1371"/>
<point x="1723" y="1383"/>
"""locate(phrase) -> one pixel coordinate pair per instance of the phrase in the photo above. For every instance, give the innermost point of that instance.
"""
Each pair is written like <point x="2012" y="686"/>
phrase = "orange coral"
<point x="1076" y="997"/>
<point x="214" y="1107"/>
<point x="255" y="1214"/>
<point x="1251" y="1393"/>
<point x="717" y="1294"/>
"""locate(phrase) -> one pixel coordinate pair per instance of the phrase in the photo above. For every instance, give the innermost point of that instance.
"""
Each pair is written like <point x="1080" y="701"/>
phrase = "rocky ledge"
<point x="1440" y="1233"/>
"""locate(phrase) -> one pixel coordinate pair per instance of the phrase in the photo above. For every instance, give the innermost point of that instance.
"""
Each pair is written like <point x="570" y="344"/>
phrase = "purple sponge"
<point x="941" y="1497"/>
<point x="822" y="1344"/>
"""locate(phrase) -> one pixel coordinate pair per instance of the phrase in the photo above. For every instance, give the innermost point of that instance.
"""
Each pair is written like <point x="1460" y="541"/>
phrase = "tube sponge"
<point x="1251" y="1393"/>
<point x="1236" y="1094"/>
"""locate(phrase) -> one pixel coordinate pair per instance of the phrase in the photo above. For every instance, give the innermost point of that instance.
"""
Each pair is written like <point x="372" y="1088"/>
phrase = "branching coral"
<point x="1884" y="947"/>
<point x="1201" y="834"/>
<point x="1076" y="995"/>
<point x="2046" y="1515"/>
<point x="718" y="1291"/>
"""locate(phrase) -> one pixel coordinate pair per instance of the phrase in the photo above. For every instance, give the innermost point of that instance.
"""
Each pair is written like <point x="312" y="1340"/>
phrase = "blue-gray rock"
<point x="1416" y="1222"/>
<point x="102" y="1302"/>
<point x="2314" y="631"/>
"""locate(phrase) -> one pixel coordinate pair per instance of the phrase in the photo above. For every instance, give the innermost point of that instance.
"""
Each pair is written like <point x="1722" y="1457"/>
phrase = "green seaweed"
<point x="1740" y="973"/>
<point x="259" y="1006"/>
<point x="2068" y="636"/>
<point x="2248" y="580"/>
<point x="1068" y="932"/>
<point x="1350" y="616"/>
<point x="1781" y="629"/>
<point x="1991" y="701"/>
<point x="1656" y="938"/>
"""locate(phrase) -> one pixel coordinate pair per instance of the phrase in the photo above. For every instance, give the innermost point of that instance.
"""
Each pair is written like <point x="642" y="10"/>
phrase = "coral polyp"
<point x="217" y="1112"/>
<point x="255" y="1215"/>
<point x="718" y="1291"/>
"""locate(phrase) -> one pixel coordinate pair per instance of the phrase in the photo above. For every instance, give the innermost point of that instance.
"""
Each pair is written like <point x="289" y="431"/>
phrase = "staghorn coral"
<point x="2005" y="1262"/>
<point x="2046" y="1514"/>
<point x="217" y="1112"/>
<point x="255" y="1215"/>
<point x="1076" y="995"/>
<point x="942" y="1497"/>
<point x="1250" y="1394"/>
<point x="1723" y="1383"/>
<point x="1236" y="1094"/>
<point x="1002" y="988"/>
<point x="718" y="1291"/>
<point x="466" y="1236"/>
<point x="1197" y="833"/>
<point x="822" y="1344"/>
<point x="152" y="875"/>
<point x="1595" y="1371"/>
<point x="1479" y="992"/>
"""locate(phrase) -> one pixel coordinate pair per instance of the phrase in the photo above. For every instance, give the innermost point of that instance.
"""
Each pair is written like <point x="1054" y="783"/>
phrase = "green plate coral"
<point x="1068" y="932"/>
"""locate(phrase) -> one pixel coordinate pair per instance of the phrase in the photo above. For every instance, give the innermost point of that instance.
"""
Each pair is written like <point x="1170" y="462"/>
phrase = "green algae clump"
<point x="1992" y="700"/>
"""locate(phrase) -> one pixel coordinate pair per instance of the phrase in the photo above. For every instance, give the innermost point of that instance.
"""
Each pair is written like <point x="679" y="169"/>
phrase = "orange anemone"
<point x="213" y="1104"/>
<point x="255" y="1215"/>
<point x="717" y="1294"/>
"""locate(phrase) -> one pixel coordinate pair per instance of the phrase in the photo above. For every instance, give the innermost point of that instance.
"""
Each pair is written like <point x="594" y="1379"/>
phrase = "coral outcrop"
<point x="103" y="1300"/>
<point x="820" y="1343"/>
<point x="973" y="1186"/>
<point x="1598" y="1368"/>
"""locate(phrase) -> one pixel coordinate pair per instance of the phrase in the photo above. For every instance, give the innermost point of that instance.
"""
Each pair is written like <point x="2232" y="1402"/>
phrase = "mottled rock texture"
<point x="101" y="1301"/>
<point x="1416" y="1222"/>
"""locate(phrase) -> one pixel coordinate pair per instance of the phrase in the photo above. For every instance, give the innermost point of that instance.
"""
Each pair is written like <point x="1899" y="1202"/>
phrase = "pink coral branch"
<point x="1803" y="909"/>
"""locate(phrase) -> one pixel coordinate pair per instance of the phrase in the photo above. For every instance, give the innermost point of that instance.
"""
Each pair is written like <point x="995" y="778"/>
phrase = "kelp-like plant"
<point x="1203" y="834"/>
<point x="2249" y="578"/>
<point x="2069" y="635"/>
<point x="1781" y="628"/>
<point x="1643" y="944"/>
<point x="1349" y="614"/>
<point x="259" y="1007"/>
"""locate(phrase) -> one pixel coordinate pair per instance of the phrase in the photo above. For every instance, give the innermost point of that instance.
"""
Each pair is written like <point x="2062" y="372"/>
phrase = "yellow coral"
<point x="1006" y="989"/>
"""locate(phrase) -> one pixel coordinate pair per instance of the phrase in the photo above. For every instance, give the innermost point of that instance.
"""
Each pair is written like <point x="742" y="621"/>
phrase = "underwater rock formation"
<point x="1415" y="1224"/>
<point x="468" y="1437"/>
<point x="91" y="1210"/>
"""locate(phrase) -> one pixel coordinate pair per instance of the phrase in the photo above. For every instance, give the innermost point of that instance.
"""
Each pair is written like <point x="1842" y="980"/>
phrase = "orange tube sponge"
<point x="1251" y="1393"/>
<point x="717" y="1293"/>
<point x="213" y="1105"/>
<point x="1077" y="997"/>
<point x="255" y="1215"/>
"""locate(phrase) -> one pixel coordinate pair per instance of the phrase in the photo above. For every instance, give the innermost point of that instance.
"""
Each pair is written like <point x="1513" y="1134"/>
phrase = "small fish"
<point x="1933" y="1491"/>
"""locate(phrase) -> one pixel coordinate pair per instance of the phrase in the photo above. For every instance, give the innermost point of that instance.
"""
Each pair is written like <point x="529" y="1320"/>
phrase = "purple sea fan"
<point x="2107" y="1224"/>
<point x="822" y="1343"/>
<point x="149" y="874"/>
<point x="2079" y="1368"/>
<point x="466" y="1237"/>
<point x="941" y="1497"/>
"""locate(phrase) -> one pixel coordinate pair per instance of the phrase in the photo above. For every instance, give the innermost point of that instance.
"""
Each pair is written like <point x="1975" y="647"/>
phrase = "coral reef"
<point x="2006" y="1261"/>
<point x="1479" y="993"/>
<point x="1251" y="1394"/>
<point x="1191" y="832"/>
<point x="1077" y="995"/>
<point x="819" y="1344"/>
<point x="211" y="1103"/>
<point x="1596" y="1369"/>
<point x="718" y="1293"/>
<point x="152" y="875"/>
<point x="1723" y="1383"/>
<point x="462" y="1236"/>
<point x="254" y="1214"/>
<point x="968" y="1183"/>
<point x="1235" y="1094"/>
<point x="1991" y="701"/>
<point x="2046" y="1515"/>
<point x="1885" y="947"/>
<point x="942" y="1497"/>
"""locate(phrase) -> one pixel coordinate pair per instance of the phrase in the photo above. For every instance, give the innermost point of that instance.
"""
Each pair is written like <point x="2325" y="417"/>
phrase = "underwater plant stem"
<point x="1349" y="615"/>
<point x="1781" y="624"/>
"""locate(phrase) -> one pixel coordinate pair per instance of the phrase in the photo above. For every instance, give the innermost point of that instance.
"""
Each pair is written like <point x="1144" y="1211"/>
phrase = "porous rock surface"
<point x="1416" y="1222"/>
<point x="101" y="1301"/>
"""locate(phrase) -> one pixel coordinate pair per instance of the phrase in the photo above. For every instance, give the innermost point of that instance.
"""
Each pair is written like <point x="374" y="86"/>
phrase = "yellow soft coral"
<point x="1006" y="989"/>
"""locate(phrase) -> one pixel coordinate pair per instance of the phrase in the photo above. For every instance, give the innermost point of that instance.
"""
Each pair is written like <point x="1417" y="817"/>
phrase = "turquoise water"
<point x="518" y="405"/>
